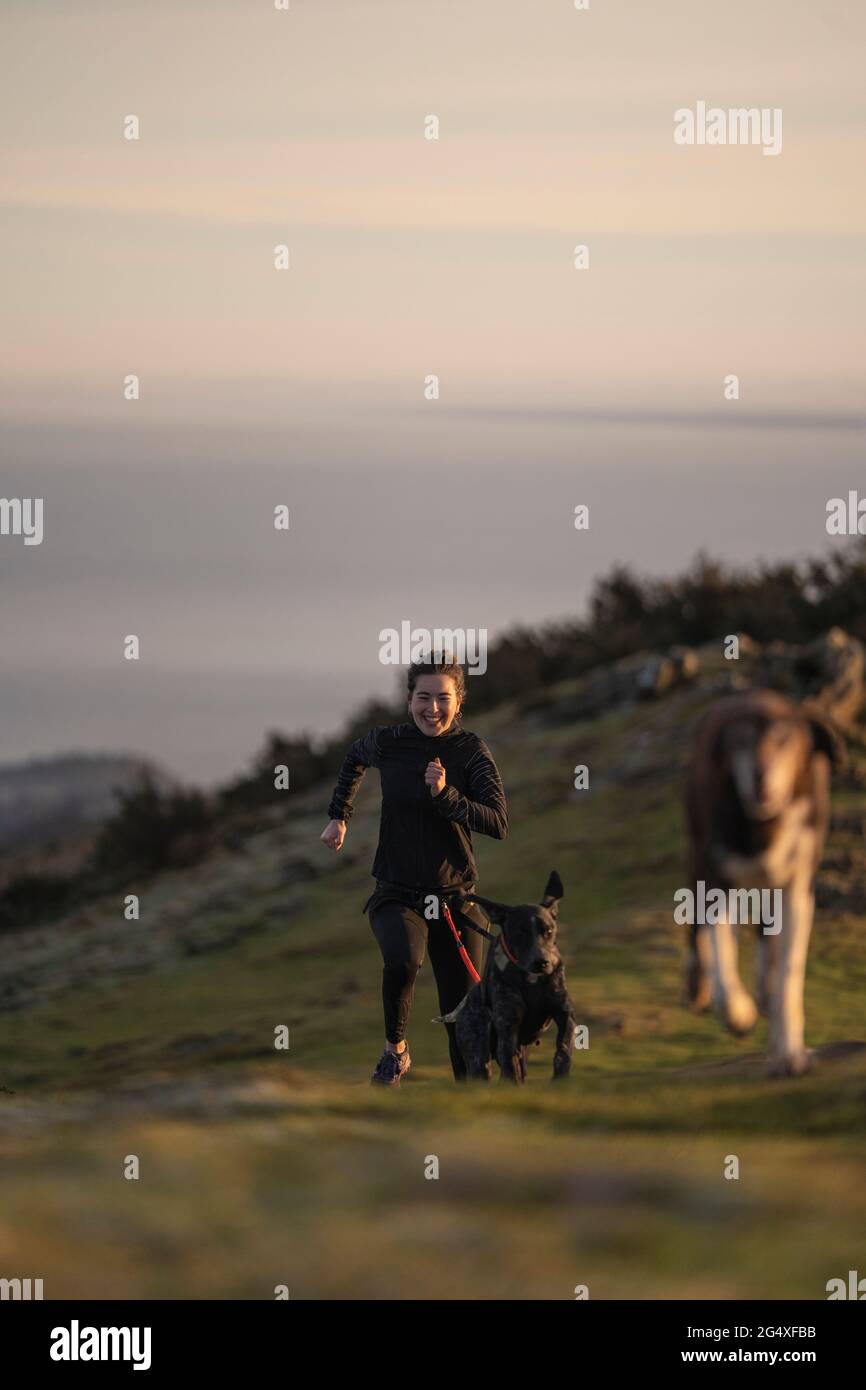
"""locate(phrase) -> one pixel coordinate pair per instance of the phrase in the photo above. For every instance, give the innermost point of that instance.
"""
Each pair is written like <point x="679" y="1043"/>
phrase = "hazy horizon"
<point x="408" y="257"/>
<point x="244" y="629"/>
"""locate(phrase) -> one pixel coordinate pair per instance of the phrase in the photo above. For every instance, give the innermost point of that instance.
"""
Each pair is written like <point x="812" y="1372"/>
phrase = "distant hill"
<point x="54" y="798"/>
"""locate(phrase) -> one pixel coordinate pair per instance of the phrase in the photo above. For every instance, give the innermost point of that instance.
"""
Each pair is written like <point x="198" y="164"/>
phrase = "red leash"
<point x="464" y="954"/>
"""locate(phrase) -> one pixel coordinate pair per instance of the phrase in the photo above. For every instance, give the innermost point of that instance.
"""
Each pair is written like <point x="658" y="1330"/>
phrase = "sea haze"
<point x="443" y="517"/>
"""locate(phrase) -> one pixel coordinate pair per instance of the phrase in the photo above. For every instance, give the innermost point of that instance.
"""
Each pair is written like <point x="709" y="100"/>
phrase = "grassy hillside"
<point x="258" y="1168"/>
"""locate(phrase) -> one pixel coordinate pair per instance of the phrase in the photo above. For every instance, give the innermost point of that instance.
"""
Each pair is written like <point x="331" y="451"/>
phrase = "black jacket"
<point x="425" y="841"/>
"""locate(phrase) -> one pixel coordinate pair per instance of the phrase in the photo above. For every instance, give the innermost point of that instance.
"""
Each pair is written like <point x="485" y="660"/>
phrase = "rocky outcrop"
<point x="829" y="672"/>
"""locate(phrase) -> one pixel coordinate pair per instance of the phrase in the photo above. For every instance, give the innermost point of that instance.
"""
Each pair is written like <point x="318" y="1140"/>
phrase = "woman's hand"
<point x="334" y="834"/>
<point x="435" y="777"/>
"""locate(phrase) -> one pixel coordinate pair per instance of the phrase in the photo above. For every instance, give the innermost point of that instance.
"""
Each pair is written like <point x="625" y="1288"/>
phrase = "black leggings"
<point x="402" y="934"/>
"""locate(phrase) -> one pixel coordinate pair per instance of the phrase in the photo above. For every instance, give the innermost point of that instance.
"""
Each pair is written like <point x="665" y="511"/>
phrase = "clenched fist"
<point x="334" y="834"/>
<point x="435" y="777"/>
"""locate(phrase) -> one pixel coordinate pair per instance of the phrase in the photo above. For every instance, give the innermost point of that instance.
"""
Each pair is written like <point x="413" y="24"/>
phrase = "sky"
<point x="408" y="257"/>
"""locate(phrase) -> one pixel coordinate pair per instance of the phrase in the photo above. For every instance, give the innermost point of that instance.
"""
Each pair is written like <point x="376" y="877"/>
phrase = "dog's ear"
<point x="826" y="737"/>
<point x="717" y="746"/>
<point x="709" y="739"/>
<point x="552" y="893"/>
<point x="497" y="912"/>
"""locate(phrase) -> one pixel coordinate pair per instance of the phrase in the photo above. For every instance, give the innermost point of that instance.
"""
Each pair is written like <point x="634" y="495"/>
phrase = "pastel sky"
<point x="408" y="257"/>
<point x="306" y="126"/>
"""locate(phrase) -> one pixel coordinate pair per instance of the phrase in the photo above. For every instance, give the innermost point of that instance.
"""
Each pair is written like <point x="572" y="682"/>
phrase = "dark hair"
<point x="446" y="667"/>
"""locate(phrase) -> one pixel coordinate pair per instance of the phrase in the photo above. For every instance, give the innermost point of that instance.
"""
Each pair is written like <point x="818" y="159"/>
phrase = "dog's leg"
<point x="788" y="1054"/>
<point x="479" y="1069"/>
<point x="566" y="1026"/>
<point x="476" y="1050"/>
<point x="768" y="962"/>
<point x="491" y="1053"/>
<point x="508" y="1053"/>
<point x="699" y="969"/>
<point x="731" y="999"/>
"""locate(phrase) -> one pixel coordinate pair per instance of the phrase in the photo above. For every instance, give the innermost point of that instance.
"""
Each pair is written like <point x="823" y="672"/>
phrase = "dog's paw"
<point x="697" y="998"/>
<point x="790" y="1063"/>
<point x="697" y="987"/>
<point x="480" y="1071"/>
<point x="739" y="1013"/>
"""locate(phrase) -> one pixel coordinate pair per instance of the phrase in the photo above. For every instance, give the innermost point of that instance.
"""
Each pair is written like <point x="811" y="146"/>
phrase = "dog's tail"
<point x="449" y="1018"/>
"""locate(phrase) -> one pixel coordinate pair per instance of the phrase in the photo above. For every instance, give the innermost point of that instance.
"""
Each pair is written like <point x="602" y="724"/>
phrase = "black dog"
<point x="521" y="992"/>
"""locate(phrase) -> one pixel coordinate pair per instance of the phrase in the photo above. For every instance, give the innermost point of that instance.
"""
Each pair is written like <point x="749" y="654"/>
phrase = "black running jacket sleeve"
<point x="484" y="808"/>
<point x="362" y="754"/>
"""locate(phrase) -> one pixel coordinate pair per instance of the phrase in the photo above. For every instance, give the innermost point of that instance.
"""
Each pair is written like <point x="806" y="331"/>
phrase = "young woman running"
<point x="439" y="783"/>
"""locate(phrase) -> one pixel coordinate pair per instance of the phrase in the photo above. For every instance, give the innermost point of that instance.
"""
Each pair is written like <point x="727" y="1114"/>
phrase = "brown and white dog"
<point x="758" y="809"/>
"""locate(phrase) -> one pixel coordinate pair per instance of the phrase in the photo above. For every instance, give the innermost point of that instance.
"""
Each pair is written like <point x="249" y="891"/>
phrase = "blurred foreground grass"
<point x="281" y="1179"/>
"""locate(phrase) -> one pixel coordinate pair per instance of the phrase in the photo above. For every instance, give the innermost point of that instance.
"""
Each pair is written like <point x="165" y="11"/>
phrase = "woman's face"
<point x="434" y="705"/>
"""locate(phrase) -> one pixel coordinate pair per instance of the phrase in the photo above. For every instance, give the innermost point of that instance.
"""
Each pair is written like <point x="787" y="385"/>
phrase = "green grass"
<point x="261" y="1168"/>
